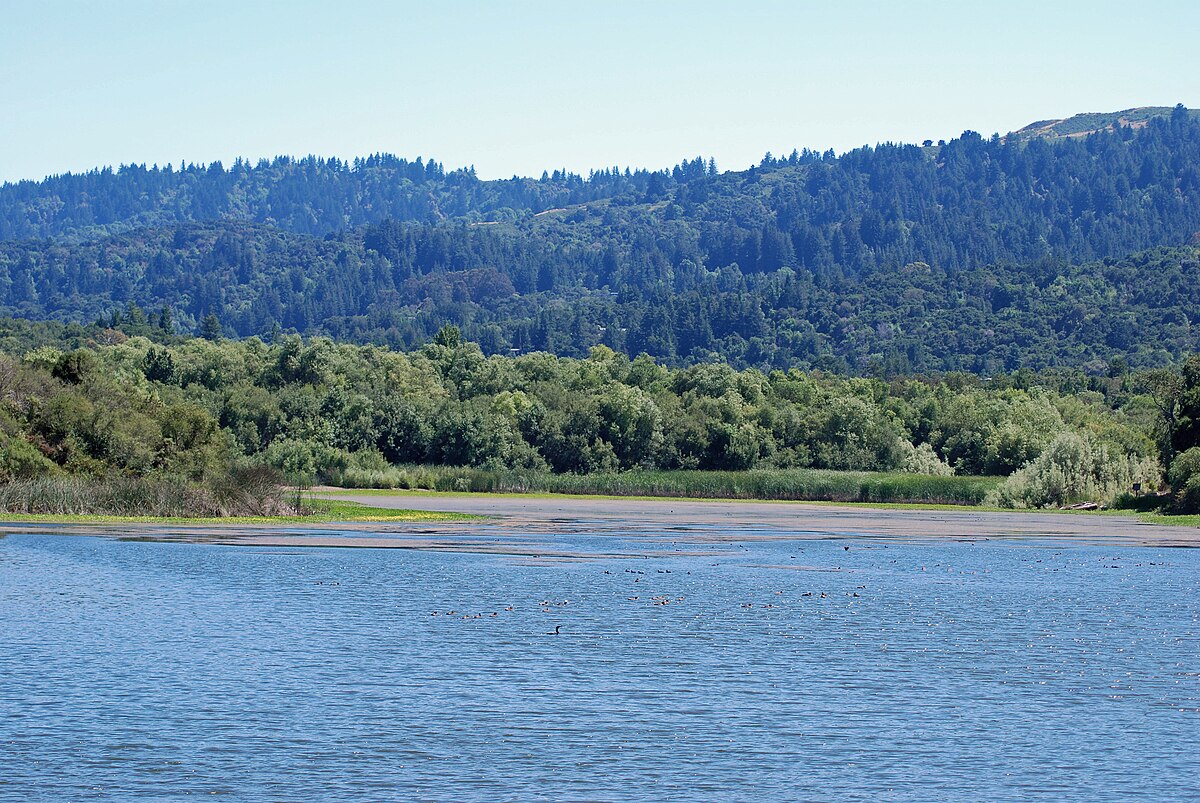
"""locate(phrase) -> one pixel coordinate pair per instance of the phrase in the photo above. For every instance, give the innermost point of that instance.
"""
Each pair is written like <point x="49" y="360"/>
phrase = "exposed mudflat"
<point x="706" y="521"/>
<point x="527" y="526"/>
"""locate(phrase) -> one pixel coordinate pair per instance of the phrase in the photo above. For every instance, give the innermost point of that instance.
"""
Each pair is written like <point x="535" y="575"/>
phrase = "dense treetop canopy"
<point x="94" y="401"/>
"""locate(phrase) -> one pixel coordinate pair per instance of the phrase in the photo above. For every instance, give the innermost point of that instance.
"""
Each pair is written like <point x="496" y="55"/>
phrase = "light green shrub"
<point x="20" y="460"/>
<point x="1074" y="468"/>
<point x="923" y="460"/>
<point x="305" y="461"/>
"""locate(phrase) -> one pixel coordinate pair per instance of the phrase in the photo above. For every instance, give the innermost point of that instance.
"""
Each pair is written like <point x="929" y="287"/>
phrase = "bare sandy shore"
<point x="532" y="526"/>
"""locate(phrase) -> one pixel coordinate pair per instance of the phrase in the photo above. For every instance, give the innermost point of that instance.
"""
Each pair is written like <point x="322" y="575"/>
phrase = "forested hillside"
<point x="1100" y="315"/>
<point x="976" y="254"/>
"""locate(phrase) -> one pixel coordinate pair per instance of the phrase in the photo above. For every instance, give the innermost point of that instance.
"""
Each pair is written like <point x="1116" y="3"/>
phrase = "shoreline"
<point x="691" y="518"/>
<point x="334" y="492"/>
<point x="518" y="524"/>
<point x="366" y="496"/>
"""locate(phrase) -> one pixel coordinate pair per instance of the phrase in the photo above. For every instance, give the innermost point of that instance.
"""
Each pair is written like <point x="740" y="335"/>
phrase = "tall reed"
<point x="788" y="484"/>
<point x="244" y="492"/>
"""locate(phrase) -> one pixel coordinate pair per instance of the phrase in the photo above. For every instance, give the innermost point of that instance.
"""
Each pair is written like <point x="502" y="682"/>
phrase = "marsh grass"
<point x="242" y="493"/>
<point x="316" y="511"/>
<point x="784" y="484"/>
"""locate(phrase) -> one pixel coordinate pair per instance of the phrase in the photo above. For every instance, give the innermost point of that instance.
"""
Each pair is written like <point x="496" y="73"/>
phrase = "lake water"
<point x="887" y="671"/>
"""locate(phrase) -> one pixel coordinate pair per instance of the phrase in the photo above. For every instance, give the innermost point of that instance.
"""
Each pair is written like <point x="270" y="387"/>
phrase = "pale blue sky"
<point x="518" y="87"/>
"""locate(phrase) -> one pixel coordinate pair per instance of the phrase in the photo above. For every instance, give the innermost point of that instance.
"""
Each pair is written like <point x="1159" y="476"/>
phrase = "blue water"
<point x="986" y="671"/>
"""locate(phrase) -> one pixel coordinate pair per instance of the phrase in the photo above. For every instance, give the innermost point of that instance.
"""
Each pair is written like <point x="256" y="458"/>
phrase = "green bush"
<point x="923" y="460"/>
<point x="1184" y="477"/>
<point x="306" y="461"/>
<point x="1074" y="468"/>
<point x="20" y="460"/>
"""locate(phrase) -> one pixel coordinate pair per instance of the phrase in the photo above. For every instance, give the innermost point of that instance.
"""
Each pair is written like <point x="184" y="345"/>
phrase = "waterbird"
<point x="556" y="629"/>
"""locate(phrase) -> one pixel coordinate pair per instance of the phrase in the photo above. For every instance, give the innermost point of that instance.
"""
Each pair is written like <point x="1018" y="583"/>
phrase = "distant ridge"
<point x="978" y="255"/>
<point x="1081" y="125"/>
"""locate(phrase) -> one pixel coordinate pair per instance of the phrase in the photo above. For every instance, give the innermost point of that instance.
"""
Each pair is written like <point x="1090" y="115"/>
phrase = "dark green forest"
<point x="978" y="254"/>
<point x="83" y="401"/>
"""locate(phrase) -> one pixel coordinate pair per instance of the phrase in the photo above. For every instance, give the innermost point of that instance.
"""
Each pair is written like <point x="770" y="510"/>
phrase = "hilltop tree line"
<point x="969" y="201"/>
<point x="310" y="195"/>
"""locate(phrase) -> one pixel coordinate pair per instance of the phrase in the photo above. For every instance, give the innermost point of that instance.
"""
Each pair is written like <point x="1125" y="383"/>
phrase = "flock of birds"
<point x="549" y="606"/>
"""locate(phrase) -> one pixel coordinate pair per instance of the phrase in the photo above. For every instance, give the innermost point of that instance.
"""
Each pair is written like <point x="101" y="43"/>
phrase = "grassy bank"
<point x="789" y="484"/>
<point x="317" y="511"/>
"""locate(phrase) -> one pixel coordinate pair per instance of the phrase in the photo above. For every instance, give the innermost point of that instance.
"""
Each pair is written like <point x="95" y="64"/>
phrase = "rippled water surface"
<point x="775" y="669"/>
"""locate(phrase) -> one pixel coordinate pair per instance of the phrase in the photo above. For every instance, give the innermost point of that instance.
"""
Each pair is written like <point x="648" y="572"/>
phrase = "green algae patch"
<point x="1190" y="520"/>
<point x="339" y="510"/>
